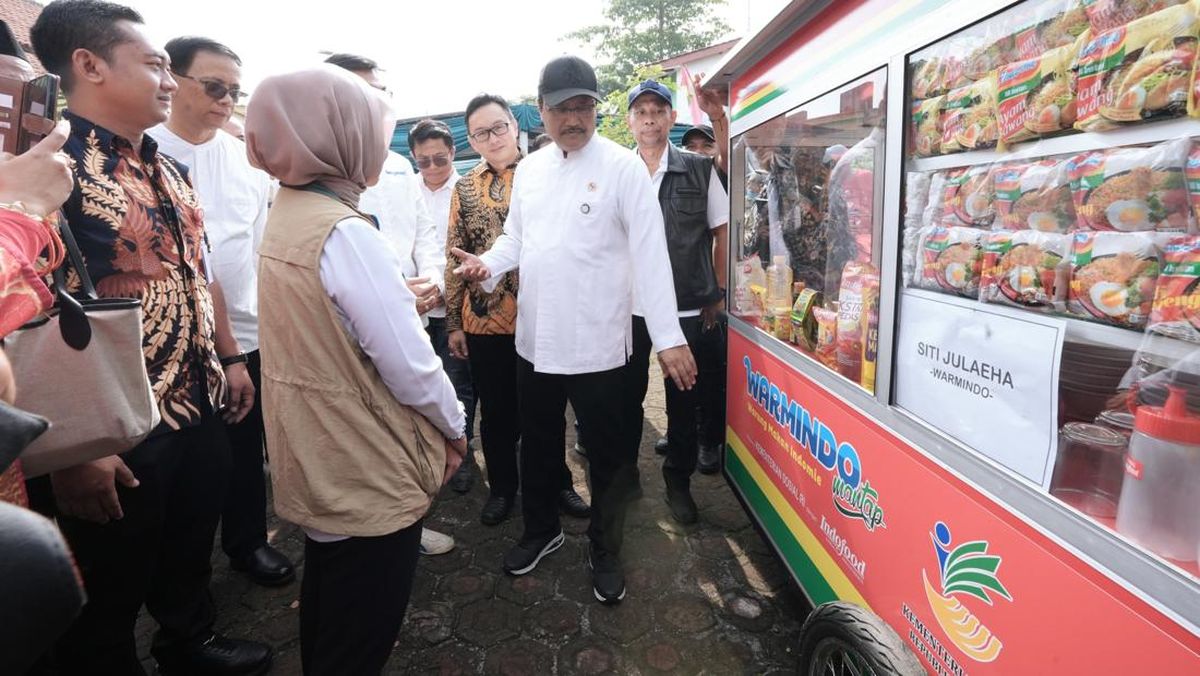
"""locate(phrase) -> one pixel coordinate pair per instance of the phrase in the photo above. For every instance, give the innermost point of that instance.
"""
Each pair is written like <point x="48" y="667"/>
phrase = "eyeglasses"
<point x="587" y="109"/>
<point x="214" y="89"/>
<point x="498" y="129"/>
<point x="439" y="160"/>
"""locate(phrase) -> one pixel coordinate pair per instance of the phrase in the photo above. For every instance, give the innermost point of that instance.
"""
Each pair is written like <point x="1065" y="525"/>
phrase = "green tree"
<point x="640" y="32"/>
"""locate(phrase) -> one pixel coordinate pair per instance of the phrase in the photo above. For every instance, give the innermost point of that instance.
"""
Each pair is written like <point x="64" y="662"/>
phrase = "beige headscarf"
<point x="322" y="124"/>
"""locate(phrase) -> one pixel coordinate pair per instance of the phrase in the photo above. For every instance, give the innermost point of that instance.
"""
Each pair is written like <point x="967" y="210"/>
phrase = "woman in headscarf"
<point x="362" y="424"/>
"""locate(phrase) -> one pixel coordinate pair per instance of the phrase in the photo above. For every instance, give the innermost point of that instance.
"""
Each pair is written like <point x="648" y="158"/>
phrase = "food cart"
<point x="963" y="390"/>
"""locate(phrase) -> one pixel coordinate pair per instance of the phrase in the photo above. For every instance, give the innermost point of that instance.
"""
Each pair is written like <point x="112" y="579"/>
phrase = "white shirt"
<point x="438" y="204"/>
<point x="361" y="275"/>
<point x="585" y="230"/>
<point x="717" y="211"/>
<point x="234" y="196"/>
<point x="396" y="200"/>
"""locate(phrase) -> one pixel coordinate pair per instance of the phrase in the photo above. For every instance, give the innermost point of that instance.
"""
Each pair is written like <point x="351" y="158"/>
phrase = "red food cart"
<point x="963" y="389"/>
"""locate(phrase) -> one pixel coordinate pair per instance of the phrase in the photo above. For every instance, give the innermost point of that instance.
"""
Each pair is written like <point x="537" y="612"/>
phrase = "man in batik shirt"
<point x="141" y="524"/>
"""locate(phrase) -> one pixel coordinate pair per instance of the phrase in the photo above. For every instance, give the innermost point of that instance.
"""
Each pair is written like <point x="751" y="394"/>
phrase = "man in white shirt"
<point x="432" y="146"/>
<point x="234" y="196"/>
<point x="399" y="208"/>
<point x="585" y="229"/>
<point x="695" y="211"/>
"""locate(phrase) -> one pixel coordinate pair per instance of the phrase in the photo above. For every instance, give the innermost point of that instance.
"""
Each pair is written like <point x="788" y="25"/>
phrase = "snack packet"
<point x="826" y="349"/>
<point x="849" y="346"/>
<point x="1034" y="196"/>
<point x="951" y="260"/>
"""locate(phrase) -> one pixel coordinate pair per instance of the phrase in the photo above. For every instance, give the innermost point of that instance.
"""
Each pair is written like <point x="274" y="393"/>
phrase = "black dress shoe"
<point x="495" y="510"/>
<point x="709" y="461"/>
<point x="573" y="504"/>
<point x="608" y="580"/>
<point x="683" y="507"/>
<point x="661" y="446"/>
<point x="265" y="566"/>
<point x="464" y="476"/>
<point x="215" y="655"/>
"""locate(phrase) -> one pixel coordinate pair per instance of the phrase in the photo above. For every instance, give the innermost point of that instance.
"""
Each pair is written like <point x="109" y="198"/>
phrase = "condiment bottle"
<point x="1160" y="495"/>
<point x="1089" y="468"/>
<point x="779" y="286"/>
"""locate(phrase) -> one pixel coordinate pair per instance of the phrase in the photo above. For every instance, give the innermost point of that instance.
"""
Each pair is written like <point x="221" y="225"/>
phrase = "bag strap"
<point x="72" y="319"/>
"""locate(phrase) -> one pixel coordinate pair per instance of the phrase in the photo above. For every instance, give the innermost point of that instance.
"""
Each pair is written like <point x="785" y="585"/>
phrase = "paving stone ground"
<point x="710" y="598"/>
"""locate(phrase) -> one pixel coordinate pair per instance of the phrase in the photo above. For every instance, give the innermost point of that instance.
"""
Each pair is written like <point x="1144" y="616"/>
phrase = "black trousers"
<point x="494" y="369"/>
<point x="158" y="554"/>
<point x="244" y="519"/>
<point x="597" y="401"/>
<point x="706" y="398"/>
<point x="459" y="370"/>
<point x="637" y="381"/>
<point x="352" y="601"/>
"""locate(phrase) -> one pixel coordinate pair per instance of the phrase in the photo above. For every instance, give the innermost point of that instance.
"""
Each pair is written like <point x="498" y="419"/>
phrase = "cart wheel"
<point x="842" y="639"/>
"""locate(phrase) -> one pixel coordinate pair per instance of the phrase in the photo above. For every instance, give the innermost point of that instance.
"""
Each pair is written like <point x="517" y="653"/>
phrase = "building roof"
<point x="688" y="57"/>
<point x="20" y="15"/>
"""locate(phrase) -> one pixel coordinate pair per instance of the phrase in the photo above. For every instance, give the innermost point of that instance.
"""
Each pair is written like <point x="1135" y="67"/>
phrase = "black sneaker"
<point x="661" y="446"/>
<point x="573" y="504"/>
<point x="526" y="555"/>
<point x="496" y="509"/>
<point x="608" y="580"/>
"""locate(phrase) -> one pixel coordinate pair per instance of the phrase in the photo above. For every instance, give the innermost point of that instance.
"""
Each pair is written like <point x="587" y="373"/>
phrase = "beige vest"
<point x="346" y="457"/>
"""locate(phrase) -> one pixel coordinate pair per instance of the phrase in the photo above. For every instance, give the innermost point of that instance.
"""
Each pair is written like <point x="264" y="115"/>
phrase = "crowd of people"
<point x="309" y="300"/>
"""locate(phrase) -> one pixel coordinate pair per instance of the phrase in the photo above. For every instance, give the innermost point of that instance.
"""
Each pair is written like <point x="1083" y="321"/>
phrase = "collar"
<point x="675" y="163"/>
<point x="448" y="185"/>
<point x="511" y="165"/>
<point x="592" y="143"/>
<point x="110" y="143"/>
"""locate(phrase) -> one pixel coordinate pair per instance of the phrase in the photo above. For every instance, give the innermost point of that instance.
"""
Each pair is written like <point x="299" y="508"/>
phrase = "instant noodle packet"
<point x="849" y="348"/>
<point x="927" y="130"/>
<point x="1133" y="189"/>
<point x="1191" y="172"/>
<point x="978" y="128"/>
<point x="1034" y="196"/>
<point x="1025" y="268"/>
<point x="1176" y="310"/>
<point x="970" y="198"/>
<point x="952" y="118"/>
<point x="951" y="260"/>
<point x="1139" y="70"/>
<point x="1035" y="96"/>
<point x="1106" y="15"/>
<point x="1113" y="275"/>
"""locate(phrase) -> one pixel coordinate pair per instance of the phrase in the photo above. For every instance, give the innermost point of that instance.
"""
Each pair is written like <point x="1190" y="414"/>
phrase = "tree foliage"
<point x="614" y="110"/>
<point x="640" y="32"/>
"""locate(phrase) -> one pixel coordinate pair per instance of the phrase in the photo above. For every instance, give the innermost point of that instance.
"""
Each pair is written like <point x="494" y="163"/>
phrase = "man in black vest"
<point x="695" y="209"/>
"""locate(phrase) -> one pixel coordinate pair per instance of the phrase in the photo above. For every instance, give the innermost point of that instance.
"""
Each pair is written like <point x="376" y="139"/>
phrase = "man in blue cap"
<point x="695" y="209"/>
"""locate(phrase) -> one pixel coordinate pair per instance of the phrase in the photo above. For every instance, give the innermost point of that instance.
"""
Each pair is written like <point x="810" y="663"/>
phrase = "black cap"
<point x="699" y="129"/>
<point x="565" y="77"/>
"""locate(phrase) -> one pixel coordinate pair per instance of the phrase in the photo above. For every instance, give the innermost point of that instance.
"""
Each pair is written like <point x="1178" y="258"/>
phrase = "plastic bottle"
<point x="1160" y="503"/>
<point x="779" y="286"/>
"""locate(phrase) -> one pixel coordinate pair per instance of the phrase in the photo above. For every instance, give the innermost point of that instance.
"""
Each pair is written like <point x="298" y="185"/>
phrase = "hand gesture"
<point x="456" y="452"/>
<point x="709" y="100"/>
<point x="471" y="268"/>
<point x="241" y="393"/>
<point x="458" y="344"/>
<point x="429" y="296"/>
<point x="89" y="491"/>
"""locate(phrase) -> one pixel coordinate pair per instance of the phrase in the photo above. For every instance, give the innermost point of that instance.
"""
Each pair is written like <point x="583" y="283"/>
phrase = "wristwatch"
<point x="239" y="358"/>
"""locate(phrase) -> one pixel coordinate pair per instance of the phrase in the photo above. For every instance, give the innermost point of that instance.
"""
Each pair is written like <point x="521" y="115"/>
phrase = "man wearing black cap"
<point x="700" y="139"/>
<point x="585" y="230"/>
<point x="695" y="209"/>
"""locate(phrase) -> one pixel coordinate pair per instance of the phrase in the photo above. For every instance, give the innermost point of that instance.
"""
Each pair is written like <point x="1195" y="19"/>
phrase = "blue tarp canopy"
<point x="528" y="119"/>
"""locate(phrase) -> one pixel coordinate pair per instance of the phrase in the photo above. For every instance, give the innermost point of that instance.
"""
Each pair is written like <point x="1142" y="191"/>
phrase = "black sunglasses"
<point x="426" y="162"/>
<point x="215" y="90"/>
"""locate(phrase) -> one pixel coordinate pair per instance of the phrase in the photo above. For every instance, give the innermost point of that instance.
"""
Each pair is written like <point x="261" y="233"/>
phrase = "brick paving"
<point x="710" y="598"/>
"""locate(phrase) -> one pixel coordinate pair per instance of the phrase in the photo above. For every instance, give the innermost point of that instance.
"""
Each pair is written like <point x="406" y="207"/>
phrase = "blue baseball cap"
<point x="652" y="87"/>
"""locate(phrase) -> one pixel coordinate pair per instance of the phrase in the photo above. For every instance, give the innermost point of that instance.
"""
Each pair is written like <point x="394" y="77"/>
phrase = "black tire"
<point x="840" y="630"/>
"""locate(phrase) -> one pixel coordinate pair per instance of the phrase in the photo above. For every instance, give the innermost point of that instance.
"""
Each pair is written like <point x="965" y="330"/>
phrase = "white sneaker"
<point x="434" y="543"/>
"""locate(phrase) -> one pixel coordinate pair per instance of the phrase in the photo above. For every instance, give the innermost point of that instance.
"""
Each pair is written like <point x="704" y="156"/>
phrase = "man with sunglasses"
<point x="432" y="146"/>
<point x="234" y="196"/>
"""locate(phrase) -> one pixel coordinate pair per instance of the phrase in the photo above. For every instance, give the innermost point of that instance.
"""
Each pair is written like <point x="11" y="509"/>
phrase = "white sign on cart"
<point x="984" y="376"/>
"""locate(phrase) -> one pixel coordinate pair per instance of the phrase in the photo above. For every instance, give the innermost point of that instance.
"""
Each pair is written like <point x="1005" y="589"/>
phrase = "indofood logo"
<point x="968" y="572"/>
<point x="853" y="495"/>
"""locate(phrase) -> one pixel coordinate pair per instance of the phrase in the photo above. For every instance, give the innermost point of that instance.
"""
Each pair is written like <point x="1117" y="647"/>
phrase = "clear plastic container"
<point x="1089" y="468"/>
<point x="779" y="286"/>
<point x="1160" y="495"/>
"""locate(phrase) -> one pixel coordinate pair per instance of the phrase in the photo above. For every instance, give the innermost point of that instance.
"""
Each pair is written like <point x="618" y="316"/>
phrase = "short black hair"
<point x="541" y="141"/>
<point x="486" y="100"/>
<point x="429" y="129"/>
<point x="67" y="25"/>
<point x="183" y="52"/>
<point x="352" y="62"/>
